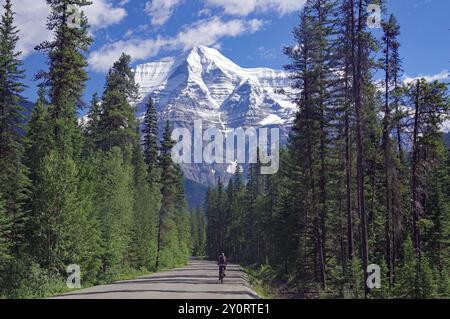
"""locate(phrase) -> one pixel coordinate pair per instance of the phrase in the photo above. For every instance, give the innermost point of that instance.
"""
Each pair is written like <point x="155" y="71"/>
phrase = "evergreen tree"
<point x="38" y="135"/>
<point x="60" y="225"/>
<point x="198" y="232"/>
<point x="91" y="128"/>
<point x="430" y="104"/>
<point x="151" y="140"/>
<point x="59" y="221"/>
<point x="201" y="228"/>
<point x="5" y="245"/>
<point x="66" y="76"/>
<point x="195" y="233"/>
<point x="435" y="221"/>
<point x="146" y="207"/>
<point x="313" y="65"/>
<point x="411" y="284"/>
<point x="173" y="224"/>
<point x="113" y="206"/>
<point x="391" y="175"/>
<point x="117" y="123"/>
<point x="37" y="148"/>
<point x="13" y="174"/>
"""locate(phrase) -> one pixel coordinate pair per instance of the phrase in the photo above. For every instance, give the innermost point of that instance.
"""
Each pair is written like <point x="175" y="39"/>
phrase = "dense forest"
<point x="364" y="179"/>
<point x="99" y="193"/>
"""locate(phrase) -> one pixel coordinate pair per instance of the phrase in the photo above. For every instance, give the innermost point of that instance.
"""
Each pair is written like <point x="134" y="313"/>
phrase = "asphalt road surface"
<point x="197" y="280"/>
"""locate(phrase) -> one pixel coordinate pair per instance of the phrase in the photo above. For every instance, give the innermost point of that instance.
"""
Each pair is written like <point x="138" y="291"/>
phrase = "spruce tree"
<point x="359" y="53"/>
<point x="113" y="207"/>
<point x="57" y="214"/>
<point x="37" y="148"/>
<point x="38" y="135"/>
<point x="430" y="105"/>
<point x="146" y="207"/>
<point x="166" y="228"/>
<point x="411" y="284"/>
<point x="60" y="221"/>
<point x="66" y="76"/>
<point x="117" y="123"/>
<point x="13" y="174"/>
<point x="312" y="68"/>
<point x="5" y="245"/>
<point x="151" y="140"/>
<point x="195" y="233"/>
<point x="201" y="228"/>
<point x="392" y="205"/>
<point x="91" y="127"/>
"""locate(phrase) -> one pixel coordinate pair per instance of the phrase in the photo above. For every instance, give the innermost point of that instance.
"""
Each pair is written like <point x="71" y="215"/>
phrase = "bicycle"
<point x="221" y="274"/>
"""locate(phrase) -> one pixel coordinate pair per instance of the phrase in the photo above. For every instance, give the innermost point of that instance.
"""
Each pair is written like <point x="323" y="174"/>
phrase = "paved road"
<point x="197" y="280"/>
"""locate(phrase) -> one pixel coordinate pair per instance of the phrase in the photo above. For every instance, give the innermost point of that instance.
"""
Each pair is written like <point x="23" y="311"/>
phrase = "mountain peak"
<point x="206" y="56"/>
<point x="203" y="84"/>
<point x="204" y="50"/>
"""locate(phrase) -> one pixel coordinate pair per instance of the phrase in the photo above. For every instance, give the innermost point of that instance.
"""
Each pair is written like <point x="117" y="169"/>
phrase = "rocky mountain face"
<point x="202" y="84"/>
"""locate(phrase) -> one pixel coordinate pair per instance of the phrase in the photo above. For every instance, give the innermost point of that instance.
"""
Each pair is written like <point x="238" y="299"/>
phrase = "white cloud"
<point x="204" y="32"/>
<point x="208" y="32"/>
<point x="243" y="8"/>
<point x="446" y="127"/>
<point x="31" y="18"/>
<point x="102" y="14"/>
<point x="160" y="11"/>
<point x="102" y="59"/>
<point x="444" y="75"/>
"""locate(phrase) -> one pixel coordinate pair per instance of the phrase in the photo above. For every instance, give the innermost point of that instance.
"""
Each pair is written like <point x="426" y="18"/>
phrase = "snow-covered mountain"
<point x="204" y="84"/>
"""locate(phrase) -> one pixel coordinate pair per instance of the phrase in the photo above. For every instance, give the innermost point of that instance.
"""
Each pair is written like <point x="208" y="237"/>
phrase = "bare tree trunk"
<point x="414" y="176"/>
<point x="348" y="141"/>
<point x="348" y="173"/>
<point x="358" y="92"/>
<point x="388" y="166"/>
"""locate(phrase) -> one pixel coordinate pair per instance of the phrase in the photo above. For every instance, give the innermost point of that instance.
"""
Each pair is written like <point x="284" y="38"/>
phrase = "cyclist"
<point x="222" y="263"/>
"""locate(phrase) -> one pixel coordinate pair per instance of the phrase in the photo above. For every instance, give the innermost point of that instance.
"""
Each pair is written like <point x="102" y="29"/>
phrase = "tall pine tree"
<point x="66" y="76"/>
<point x="13" y="174"/>
<point x="117" y="125"/>
<point x="151" y="140"/>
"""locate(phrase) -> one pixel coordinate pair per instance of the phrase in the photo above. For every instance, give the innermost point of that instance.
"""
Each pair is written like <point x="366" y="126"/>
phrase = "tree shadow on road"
<point x="189" y="292"/>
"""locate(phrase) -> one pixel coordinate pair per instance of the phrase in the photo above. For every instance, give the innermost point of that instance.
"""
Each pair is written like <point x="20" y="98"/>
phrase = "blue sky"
<point x="249" y="32"/>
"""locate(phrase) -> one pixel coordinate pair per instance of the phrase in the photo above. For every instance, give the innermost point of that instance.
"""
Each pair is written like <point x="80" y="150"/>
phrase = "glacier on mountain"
<point x="204" y="84"/>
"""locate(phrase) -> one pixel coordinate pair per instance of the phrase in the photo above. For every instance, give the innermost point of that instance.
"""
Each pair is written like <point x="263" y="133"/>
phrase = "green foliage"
<point x="348" y="192"/>
<point x="91" y="128"/>
<point x="406" y="279"/>
<point x="173" y="228"/>
<point x="198" y="233"/>
<point x="93" y="199"/>
<point x="38" y="136"/>
<point x="32" y="281"/>
<point x="113" y="206"/>
<point x="66" y="76"/>
<point x="5" y="228"/>
<point x="60" y="224"/>
<point x="443" y="284"/>
<point x="117" y="123"/>
<point x="13" y="174"/>
<point x="147" y="201"/>
<point x="150" y="140"/>
<point x="415" y="279"/>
